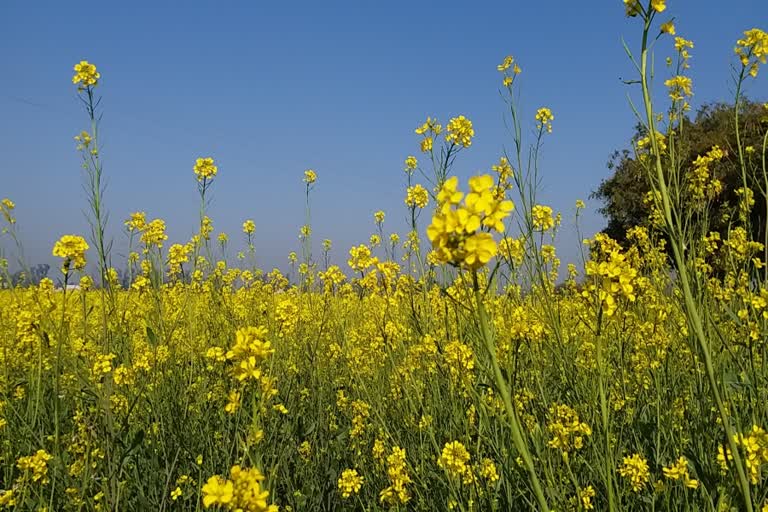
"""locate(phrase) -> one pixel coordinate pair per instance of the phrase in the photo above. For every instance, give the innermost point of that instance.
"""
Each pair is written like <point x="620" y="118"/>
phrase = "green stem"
<point x="501" y="383"/>
<point x="690" y="305"/>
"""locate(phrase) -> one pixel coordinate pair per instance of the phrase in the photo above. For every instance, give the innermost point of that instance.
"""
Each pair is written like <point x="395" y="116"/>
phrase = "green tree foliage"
<point x="623" y="192"/>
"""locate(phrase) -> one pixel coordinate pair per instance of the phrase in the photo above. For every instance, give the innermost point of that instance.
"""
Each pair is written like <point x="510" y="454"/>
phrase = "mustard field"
<point x="455" y="365"/>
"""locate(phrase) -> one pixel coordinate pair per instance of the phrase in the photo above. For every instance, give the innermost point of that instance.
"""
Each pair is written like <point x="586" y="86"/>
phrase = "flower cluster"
<point x="454" y="459"/>
<point x="510" y="69"/>
<point x="85" y="75"/>
<point x="614" y="277"/>
<point x="248" y="352"/>
<point x="350" y="483"/>
<point x="699" y="182"/>
<point x="680" y="87"/>
<point x="567" y="431"/>
<point x="541" y="217"/>
<point x="635" y="469"/>
<point x="682" y="46"/>
<point x="416" y="196"/>
<point x="72" y="248"/>
<point x="460" y="131"/>
<point x="249" y="227"/>
<point x="456" y="231"/>
<point x="397" y="492"/>
<point x="153" y="234"/>
<point x="754" y="446"/>
<point x="37" y="464"/>
<point x="241" y="492"/>
<point x="429" y="130"/>
<point x="752" y="50"/>
<point x="205" y="169"/>
<point x="6" y="207"/>
<point x="544" y="117"/>
<point x="679" y="471"/>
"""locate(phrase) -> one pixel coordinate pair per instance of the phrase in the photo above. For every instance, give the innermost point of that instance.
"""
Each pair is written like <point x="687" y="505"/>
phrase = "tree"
<point x="623" y="193"/>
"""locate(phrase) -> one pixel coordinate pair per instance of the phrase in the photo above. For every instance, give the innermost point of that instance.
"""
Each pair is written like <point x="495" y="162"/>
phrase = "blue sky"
<point x="269" y="90"/>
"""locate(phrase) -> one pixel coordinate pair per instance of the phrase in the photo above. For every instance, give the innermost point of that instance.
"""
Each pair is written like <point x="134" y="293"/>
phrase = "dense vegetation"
<point x="458" y="374"/>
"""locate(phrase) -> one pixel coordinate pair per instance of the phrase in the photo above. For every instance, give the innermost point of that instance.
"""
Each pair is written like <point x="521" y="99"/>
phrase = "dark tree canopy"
<point x="623" y="192"/>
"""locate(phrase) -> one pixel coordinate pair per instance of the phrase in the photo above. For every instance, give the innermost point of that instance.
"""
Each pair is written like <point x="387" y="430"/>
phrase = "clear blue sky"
<point x="271" y="90"/>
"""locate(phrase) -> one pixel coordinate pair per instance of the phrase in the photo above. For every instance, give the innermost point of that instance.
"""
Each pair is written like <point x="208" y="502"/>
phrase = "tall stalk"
<point x="677" y="245"/>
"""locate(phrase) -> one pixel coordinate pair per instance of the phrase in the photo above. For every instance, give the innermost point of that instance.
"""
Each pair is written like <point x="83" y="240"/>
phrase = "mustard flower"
<point x="460" y="131"/>
<point x="72" y="248"/>
<point x="679" y="471"/>
<point x="454" y="458"/>
<point x="542" y="217"/>
<point x="218" y="491"/>
<point x="659" y="5"/>
<point x="668" y="28"/>
<point x="350" y="483"/>
<point x="752" y="50"/>
<point x="37" y="464"/>
<point x="416" y="196"/>
<point x="85" y="75"/>
<point x="205" y="169"/>
<point x="680" y="87"/>
<point x="544" y="117"/>
<point x="635" y="469"/>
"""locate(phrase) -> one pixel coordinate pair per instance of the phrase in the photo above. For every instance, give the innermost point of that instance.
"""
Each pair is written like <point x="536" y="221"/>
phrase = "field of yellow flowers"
<point x="452" y="369"/>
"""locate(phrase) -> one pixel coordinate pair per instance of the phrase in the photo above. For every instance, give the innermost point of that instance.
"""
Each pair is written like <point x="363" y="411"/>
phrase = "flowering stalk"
<point x="87" y="78"/>
<point x="676" y="243"/>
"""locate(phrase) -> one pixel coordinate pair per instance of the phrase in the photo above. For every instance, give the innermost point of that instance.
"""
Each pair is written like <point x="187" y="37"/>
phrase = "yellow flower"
<point x="178" y="254"/>
<point x="85" y="75"/>
<point x="350" y="483"/>
<point x="680" y="87"/>
<point x="679" y="471"/>
<point x="506" y="64"/>
<point x="752" y="50"/>
<point x="479" y="248"/>
<point x="635" y="469"/>
<point x="668" y="28"/>
<point x="460" y="131"/>
<point x="659" y="5"/>
<point x="154" y="233"/>
<point x="488" y="470"/>
<point x="310" y="176"/>
<point x="204" y="169"/>
<point x="542" y="217"/>
<point x="416" y="196"/>
<point x="454" y="458"/>
<point x="136" y="222"/>
<point x="544" y="117"/>
<point x="72" y="248"/>
<point x="218" y="491"/>
<point x="449" y="192"/>
<point x="586" y="495"/>
<point x="249" y="227"/>
<point x="411" y="163"/>
<point x="37" y="464"/>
